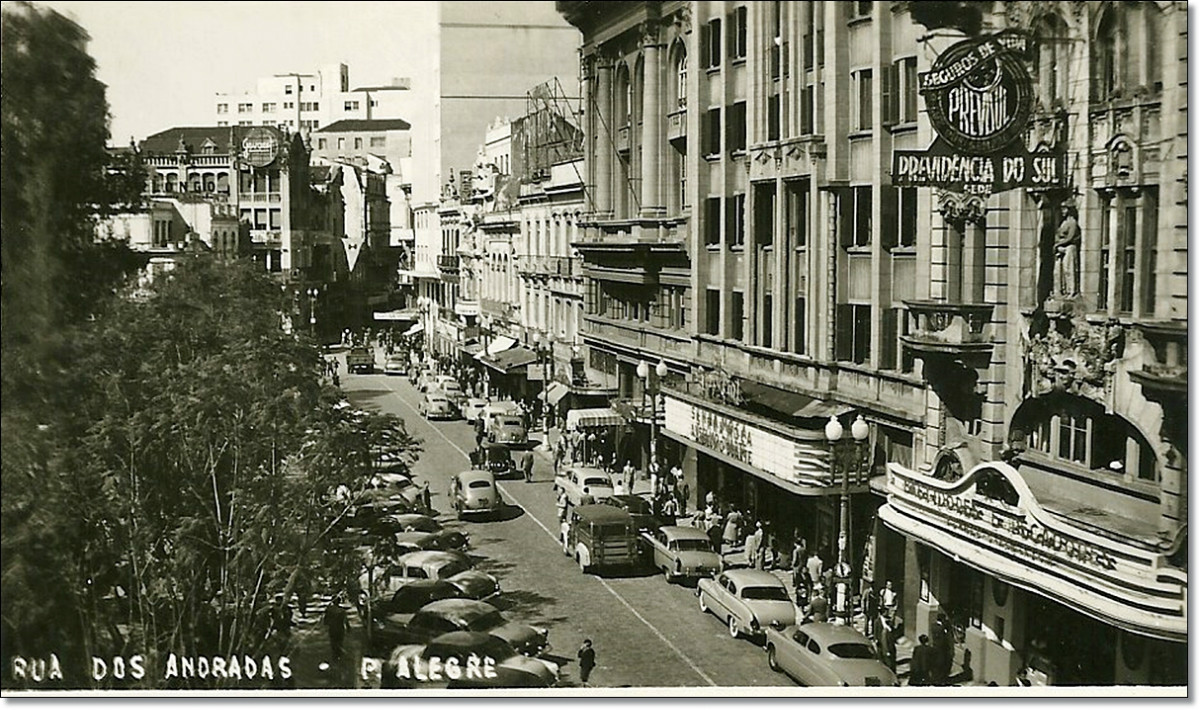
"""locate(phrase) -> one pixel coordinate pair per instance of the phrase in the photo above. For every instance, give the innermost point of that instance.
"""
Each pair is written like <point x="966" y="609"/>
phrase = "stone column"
<point x="605" y="147"/>
<point x="652" y="122"/>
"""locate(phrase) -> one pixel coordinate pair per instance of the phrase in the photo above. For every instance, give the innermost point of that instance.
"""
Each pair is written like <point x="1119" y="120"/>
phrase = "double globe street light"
<point x="652" y="387"/>
<point x="859" y="431"/>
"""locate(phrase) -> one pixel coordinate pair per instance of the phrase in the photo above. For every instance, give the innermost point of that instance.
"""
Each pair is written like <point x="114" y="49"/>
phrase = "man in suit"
<point x="919" y="665"/>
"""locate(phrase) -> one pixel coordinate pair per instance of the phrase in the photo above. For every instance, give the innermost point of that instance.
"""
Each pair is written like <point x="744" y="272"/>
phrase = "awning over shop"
<point x="556" y="391"/>
<point x="416" y="328"/>
<point x="510" y="359"/>
<point x="792" y="404"/>
<point x="499" y="344"/>
<point x="597" y="417"/>
<point x="471" y="348"/>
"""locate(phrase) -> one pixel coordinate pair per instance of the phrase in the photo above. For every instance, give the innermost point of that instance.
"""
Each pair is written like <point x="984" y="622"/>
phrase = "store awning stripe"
<point x="416" y="328"/>
<point x="595" y="417"/>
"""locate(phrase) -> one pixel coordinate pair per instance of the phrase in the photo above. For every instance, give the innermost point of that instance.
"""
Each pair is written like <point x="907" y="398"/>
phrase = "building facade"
<point x="1024" y="471"/>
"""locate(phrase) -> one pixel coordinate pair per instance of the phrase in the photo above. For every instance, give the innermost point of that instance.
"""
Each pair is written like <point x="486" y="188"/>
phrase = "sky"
<point x="164" y="61"/>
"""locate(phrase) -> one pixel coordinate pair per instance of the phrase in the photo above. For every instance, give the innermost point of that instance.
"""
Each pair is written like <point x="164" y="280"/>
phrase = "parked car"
<point x="389" y="615"/>
<point x="474" y="492"/>
<point x="395" y="364"/>
<point x="476" y="585"/>
<point x="472" y="409"/>
<point x="600" y="536"/>
<point x="446" y="615"/>
<point x="414" y="522"/>
<point x="360" y="360"/>
<point x="508" y="429"/>
<point x="747" y="600"/>
<point x="637" y="507"/>
<point x="431" y="564"/>
<point x="496" y="409"/>
<point x="435" y="405"/>
<point x="583" y="484"/>
<point x="826" y="654"/>
<point x="451" y="540"/>
<point x="682" y="552"/>
<point x="459" y="649"/>
<point x="454" y="392"/>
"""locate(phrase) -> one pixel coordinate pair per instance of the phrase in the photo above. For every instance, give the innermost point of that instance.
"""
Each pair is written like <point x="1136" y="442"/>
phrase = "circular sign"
<point x="260" y="147"/>
<point x="978" y="94"/>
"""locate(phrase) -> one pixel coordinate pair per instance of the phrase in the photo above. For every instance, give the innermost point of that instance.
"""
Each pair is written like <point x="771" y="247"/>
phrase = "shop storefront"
<point x="778" y="473"/>
<point x="1027" y="590"/>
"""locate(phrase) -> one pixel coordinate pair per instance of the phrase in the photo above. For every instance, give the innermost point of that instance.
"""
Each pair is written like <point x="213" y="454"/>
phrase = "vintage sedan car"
<point x="748" y="600"/>
<point x="476" y="585"/>
<point x="430" y="564"/>
<point x="638" y="508"/>
<point x="435" y="405"/>
<point x="395" y="364"/>
<point x="412" y="540"/>
<point x="415" y="522"/>
<point x="446" y="615"/>
<point x="682" y="552"/>
<point x="824" y="654"/>
<point x="445" y="662"/>
<point x="583" y="484"/>
<point x="389" y="615"/>
<point x="474" y="492"/>
<point x="493" y="410"/>
<point x="508" y="429"/>
<point x="472" y="409"/>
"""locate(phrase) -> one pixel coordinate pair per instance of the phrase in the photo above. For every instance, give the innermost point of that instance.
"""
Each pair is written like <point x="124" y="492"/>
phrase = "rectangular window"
<point x="268" y="108"/>
<point x="773" y="117"/>
<point x="222" y="123"/>
<point x="807" y="99"/>
<point x="736" y="125"/>
<point x="863" y="84"/>
<point x="797" y="212"/>
<point x="378" y="142"/>
<point x="735" y="220"/>
<point x="1128" y="257"/>
<point x="854" y="216"/>
<point x="1072" y="438"/>
<point x="899" y="217"/>
<point x="853" y="337"/>
<point x="287" y="89"/>
<point x="906" y="83"/>
<point x="712" y="311"/>
<point x="800" y="337"/>
<point x="860" y="9"/>
<point x="276" y="217"/>
<point x="341" y="143"/>
<point x="712" y="136"/>
<point x="222" y="108"/>
<point x="908" y="217"/>
<point x="768" y="320"/>
<point x="737" y="33"/>
<point x="713" y="51"/>
<point x="245" y="108"/>
<point x="358" y="144"/>
<point x="738" y="315"/>
<point x="320" y="144"/>
<point x="1105" y="253"/>
<point x="712" y="221"/>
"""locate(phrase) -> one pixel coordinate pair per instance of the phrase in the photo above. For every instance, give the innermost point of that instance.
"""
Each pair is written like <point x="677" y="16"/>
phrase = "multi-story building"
<point x="261" y="172"/>
<point x="1020" y="373"/>
<point x="175" y="225"/>
<point x="303" y="102"/>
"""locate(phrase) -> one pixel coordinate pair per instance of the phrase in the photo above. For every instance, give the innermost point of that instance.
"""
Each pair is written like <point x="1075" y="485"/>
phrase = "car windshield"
<point x="488" y="621"/>
<point x="851" y="650"/>
<point x="777" y="594"/>
<point x="452" y="568"/>
<point x="479" y="484"/>
<point x="510" y="421"/>
<point x="693" y="545"/>
<point x="451" y="387"/>
<point x="593" y="481"/>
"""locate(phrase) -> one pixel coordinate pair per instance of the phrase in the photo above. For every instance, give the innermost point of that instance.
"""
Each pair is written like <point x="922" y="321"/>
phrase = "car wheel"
<point x="703" y="605"/>
<point x="734" y="631"/>
<point x="772" y="661"/>
<point x="666" y="573"/>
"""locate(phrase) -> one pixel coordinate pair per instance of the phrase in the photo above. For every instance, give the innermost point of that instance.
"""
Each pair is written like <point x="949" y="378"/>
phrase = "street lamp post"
<point x="313" y="292"/>
<point x="652" y="386"/>
<point x="485" y="329"/>
<point x="859" y="431"/>
<point x="545" y="351"/>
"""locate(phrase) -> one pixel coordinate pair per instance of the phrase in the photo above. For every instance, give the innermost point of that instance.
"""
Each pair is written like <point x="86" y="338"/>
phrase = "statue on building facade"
<point x="1066" y="254"/>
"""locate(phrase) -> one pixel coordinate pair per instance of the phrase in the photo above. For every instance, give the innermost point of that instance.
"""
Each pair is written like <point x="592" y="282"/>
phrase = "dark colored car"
<point x="360" y="360"/>
<point x="412" y="540"/>
<point x="638" y="508"/>
<point x="389" y="616"/>
<point x="441" y="617"/>
<point x="455" y="653"/>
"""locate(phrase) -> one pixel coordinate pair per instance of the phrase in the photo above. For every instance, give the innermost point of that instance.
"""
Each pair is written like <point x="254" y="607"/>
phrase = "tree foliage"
<point x="190" y="479"/>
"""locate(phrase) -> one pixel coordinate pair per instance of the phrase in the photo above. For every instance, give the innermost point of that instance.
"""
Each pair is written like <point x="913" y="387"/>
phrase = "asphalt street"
<point x="645" y="631"/>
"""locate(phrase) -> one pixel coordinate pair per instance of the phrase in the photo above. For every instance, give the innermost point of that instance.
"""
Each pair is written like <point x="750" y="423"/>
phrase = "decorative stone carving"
<point x="683" y="20"/>
<point x="1077" y="358"/>
<point x="961" y="207"/>
<point x="648" y="31"/>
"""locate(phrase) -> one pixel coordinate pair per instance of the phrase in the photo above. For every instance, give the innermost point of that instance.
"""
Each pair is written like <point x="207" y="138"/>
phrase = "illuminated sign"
<point x="259" y="147"/>
<point x="979" y="98"/>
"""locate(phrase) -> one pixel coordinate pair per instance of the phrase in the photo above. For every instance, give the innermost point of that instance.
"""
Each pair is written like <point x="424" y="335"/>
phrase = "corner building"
<point x="1027" y="451"/>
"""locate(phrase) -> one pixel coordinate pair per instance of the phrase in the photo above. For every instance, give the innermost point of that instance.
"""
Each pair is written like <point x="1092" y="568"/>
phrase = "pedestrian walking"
<point x="754" y="547"/>
<point x="562" y="506"/>
<point x="942" y="658"/>
<point x="887" y="598"/>
<point x="527" y="466"/>
<point x="559" y="449"/>
<point x="627" y="474"/>
<point x="919" y="664"/>
<point x="335" y="622"/>
<point x="814" y="568"/>
<point x="799" y="551"/>
<point x="733" y="528"/>
<point x="587" y="660"/>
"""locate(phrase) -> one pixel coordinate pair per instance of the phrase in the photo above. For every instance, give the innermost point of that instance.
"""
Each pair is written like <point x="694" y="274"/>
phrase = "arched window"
<point x="1106" y="79"/>
<point x="1152" y="20"/>
<point x="1052" y="60"/>
<point x="172" y="182"/>
<point x="194" y="184"/>
<point x="158" y="183"/>
<point x="622" y="111"/>
<point x="681" y="72"/>
<point x="223" y="183"/>
<point x="210" y="183"/>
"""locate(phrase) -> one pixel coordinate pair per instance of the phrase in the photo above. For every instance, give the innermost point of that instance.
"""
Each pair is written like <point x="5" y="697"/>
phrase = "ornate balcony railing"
<point x="677" y="124"/>
<point x="954" y="329"/>
<point x="448" y="263"/>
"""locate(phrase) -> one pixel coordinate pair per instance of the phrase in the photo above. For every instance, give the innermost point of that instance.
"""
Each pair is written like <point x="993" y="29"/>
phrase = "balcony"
<point x="448" y="263"/>
<point x="623" y="139"/>
<point x="948" y="330"/>
<point x="677" y="125"/>
<point x="1164" y="378"/>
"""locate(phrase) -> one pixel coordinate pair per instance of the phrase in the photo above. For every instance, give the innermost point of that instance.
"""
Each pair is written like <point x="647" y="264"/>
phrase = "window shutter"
<point x="704" y="46"/>
<point x="843" y="332"/>
<point x="731" y="34"/>
<point x="887" y="92"/>
<point x="715" y="36"/>
<point x="845" y="217"/>
<point x="742" y="23"/>
<point x="890" y="214"/>
<point x="889" y="338"/>
<point x="730" y="220"/>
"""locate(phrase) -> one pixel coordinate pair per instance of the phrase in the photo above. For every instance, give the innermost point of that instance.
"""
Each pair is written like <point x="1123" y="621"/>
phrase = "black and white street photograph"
<point x="654" y="349"/>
